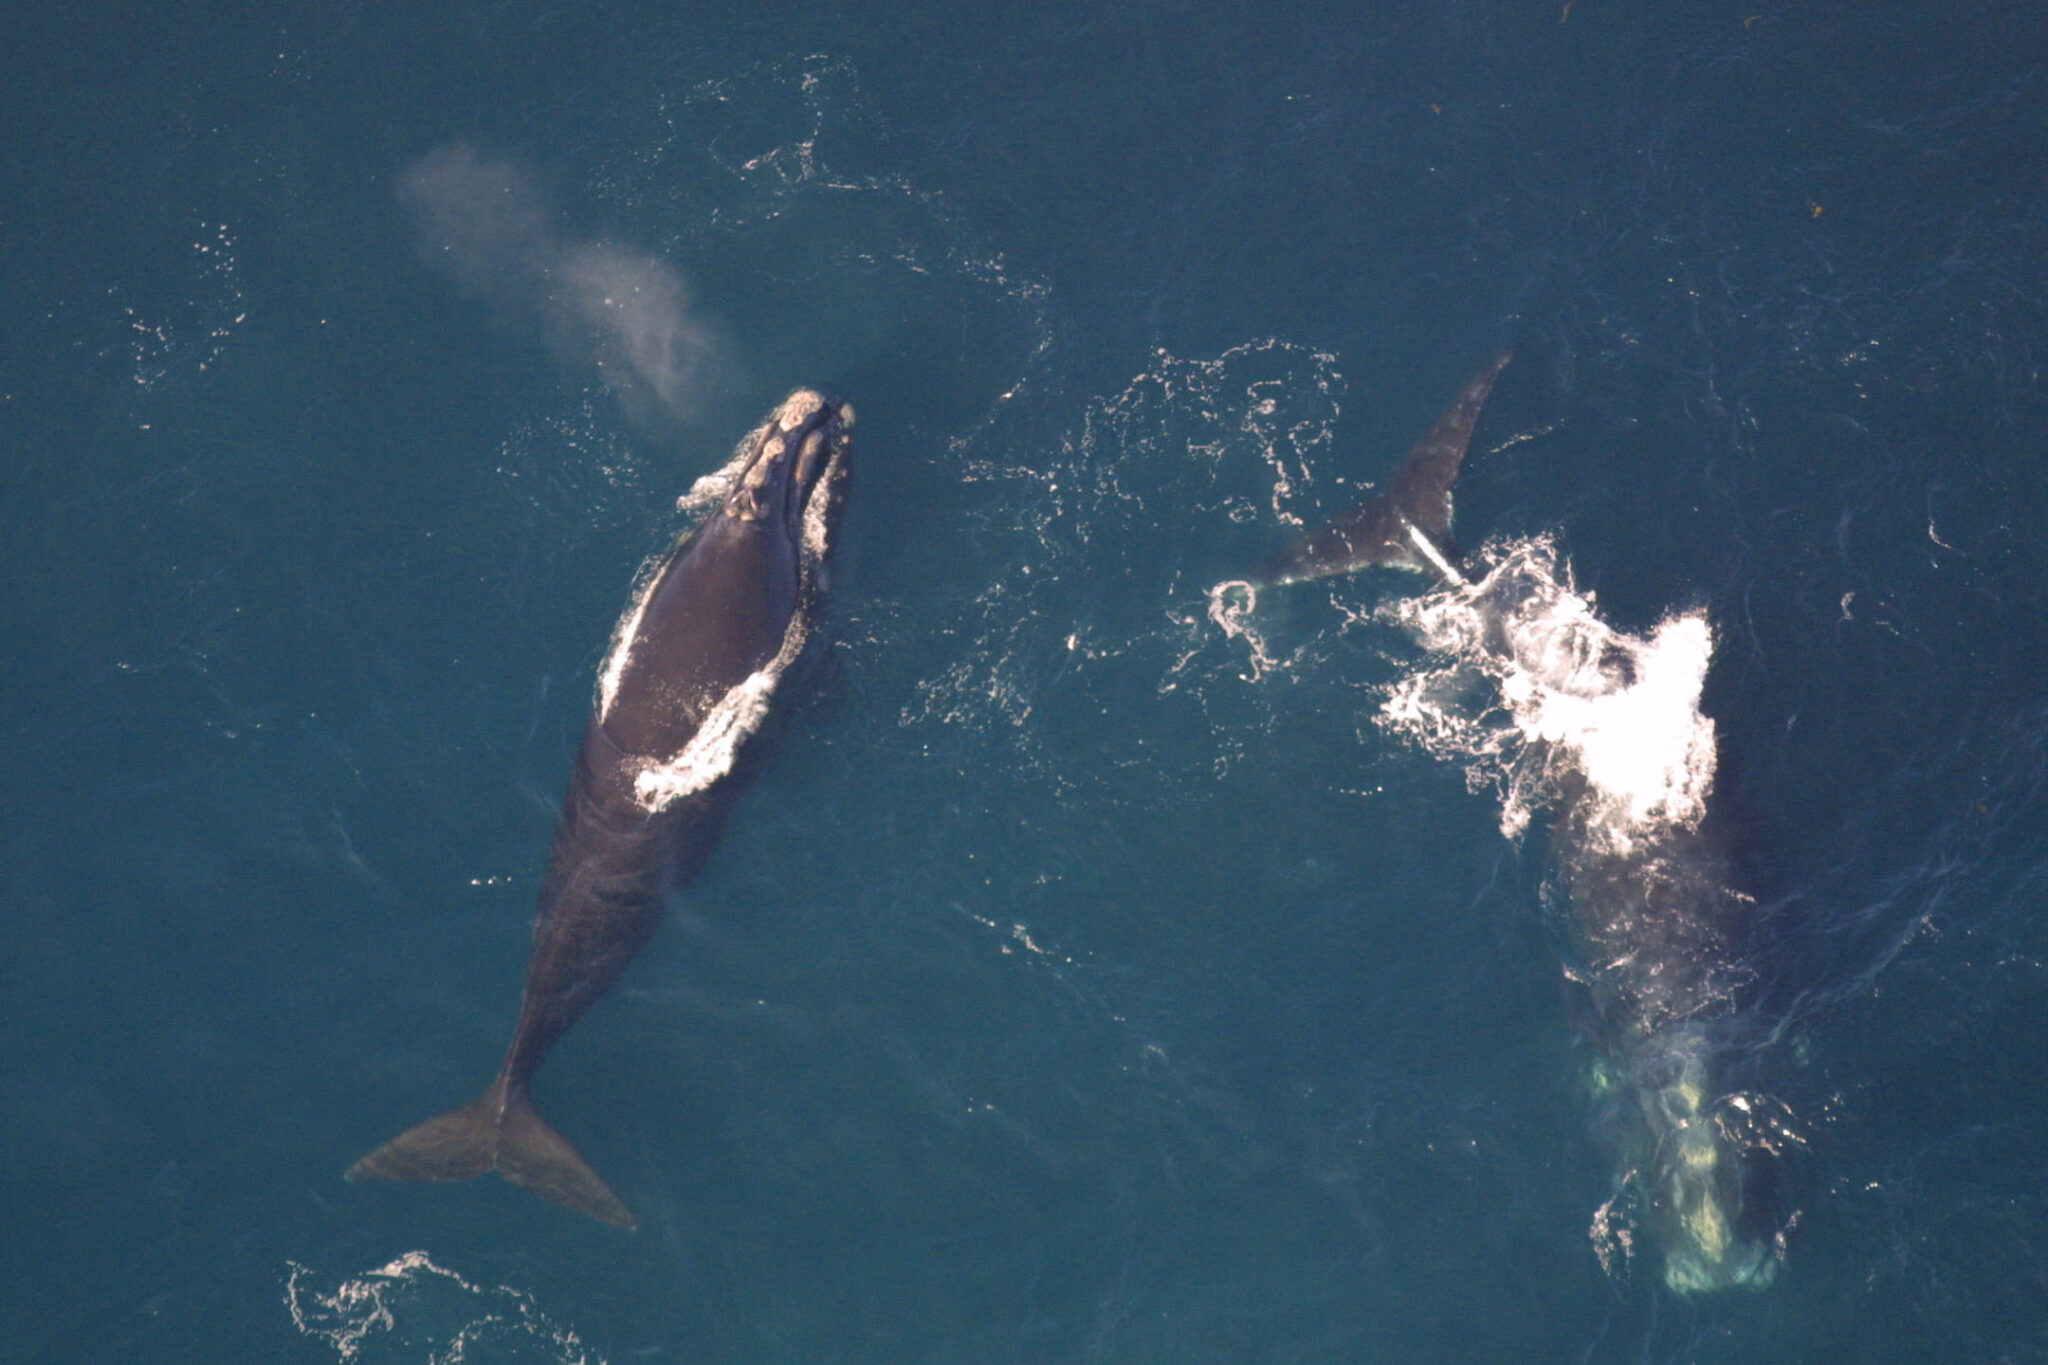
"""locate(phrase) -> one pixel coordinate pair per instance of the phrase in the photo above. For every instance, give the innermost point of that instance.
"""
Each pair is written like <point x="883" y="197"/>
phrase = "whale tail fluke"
<point x="1409" y="525"/>
<point x="531" y="1154"/>
<point x="457" y="1145"/>
<point x="498" y="1131"/>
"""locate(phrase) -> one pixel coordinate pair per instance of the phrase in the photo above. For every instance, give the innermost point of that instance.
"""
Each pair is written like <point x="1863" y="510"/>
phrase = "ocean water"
<point x="1094" y="972"/>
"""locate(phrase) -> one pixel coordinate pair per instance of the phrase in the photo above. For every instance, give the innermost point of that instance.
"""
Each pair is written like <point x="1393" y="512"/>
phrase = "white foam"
<point x="714" y="749"/>
<point x="413" y="1309"/>
<point x="1231" y="606"/>
<point x="1537" y="688"/>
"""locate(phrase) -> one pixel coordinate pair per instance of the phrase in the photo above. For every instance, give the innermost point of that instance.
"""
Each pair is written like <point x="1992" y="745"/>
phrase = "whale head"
<point x="717" y="620"/>
<point x="794" y="477"/>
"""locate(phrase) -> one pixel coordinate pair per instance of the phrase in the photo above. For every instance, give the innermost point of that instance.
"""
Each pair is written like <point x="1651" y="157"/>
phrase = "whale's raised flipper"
<point x="1409" y="525"/>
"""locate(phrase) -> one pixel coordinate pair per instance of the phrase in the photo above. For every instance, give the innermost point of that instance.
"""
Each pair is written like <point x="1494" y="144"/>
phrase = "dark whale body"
<point x="692" y="674"/>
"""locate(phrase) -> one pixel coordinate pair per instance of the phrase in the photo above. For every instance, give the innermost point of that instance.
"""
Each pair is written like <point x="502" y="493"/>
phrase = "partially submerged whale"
<point x="1604" y="730"/>
<point x="696" y="665"/>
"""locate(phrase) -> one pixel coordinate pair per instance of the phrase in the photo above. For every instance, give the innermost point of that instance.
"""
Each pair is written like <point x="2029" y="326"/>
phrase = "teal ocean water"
<point x="1092" y="973"/>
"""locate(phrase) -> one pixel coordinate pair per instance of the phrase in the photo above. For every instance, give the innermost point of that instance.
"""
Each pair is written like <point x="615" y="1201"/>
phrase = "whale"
<point x="1640" y="873"/>
<point x="705" y="650"/>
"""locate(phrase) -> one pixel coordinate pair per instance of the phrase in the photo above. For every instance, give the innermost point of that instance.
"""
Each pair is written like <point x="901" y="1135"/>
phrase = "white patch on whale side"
<point x="624" y="636"/>
<point x="817" y="523"/>
<point x="1429" y="552"/>
<point x="706" y="495"/>
<point x="1434" y="557"/>
<point x="712" y="751"/>
<point x="711" y="490"/>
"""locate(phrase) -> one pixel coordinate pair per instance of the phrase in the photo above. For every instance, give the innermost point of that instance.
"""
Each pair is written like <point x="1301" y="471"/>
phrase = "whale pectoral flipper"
<point x="1422" y="486"/>
<point x="498" y="1131"/>
<point x="1409" y="525"/>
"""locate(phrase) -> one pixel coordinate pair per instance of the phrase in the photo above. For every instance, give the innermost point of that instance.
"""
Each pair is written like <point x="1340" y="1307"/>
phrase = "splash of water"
<point x="1564" y="696"/>
<point x="412" y="1309"/>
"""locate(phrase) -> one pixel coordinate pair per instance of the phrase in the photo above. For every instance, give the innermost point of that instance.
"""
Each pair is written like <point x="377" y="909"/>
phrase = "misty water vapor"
<point x="629" y="315"/>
